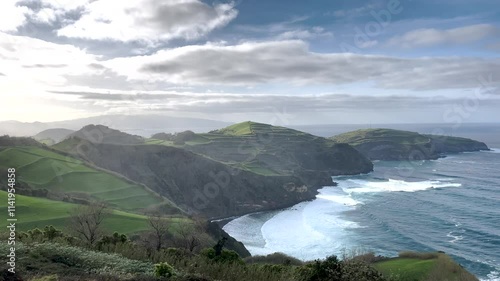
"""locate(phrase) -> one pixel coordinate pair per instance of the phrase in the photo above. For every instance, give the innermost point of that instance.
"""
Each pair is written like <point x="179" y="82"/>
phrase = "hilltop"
<point x="52" y="136"/>
<point x="104" y="134"/>
<point x="389" y="144"/>
<point x="272" y="150"/>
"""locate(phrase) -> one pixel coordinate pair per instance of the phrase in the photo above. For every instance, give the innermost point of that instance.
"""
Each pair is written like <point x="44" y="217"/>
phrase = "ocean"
<point x="451" y="204"/>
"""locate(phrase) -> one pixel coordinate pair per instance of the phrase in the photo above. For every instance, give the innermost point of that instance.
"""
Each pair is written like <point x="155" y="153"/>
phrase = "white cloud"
<point x="31" y="61"/>
<point x="430" y="36"/>
<point x="303" y="34"/>
<point x="292" y="62"/>
<point x="149" y="20"/>
<point x="11" y="15"/>
<point x="45" y="15"/>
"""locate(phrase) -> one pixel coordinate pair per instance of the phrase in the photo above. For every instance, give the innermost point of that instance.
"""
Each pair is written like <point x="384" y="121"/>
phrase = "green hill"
<point x="271" y="150"/>
<point x="104" y="134"/>
<point x="244" y="168"/>
<point x="388" y="144"/>
<point x="35" y="212"/>
<point x="52" y="136"/>
<point x="70" y="179"/>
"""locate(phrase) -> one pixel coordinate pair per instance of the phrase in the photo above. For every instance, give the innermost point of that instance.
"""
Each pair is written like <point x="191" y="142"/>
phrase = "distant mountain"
<point x="52" y="136"/>
<point x="104" y="134"/>
<point x="143" y="125"/>
<point x="389" y="144"/>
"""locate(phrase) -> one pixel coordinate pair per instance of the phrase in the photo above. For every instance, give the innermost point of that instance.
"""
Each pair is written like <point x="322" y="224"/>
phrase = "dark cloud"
<point x="291" y="61"/>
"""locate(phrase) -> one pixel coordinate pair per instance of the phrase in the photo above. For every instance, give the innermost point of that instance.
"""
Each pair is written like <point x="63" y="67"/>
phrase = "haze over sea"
<point x="451" y="204"/>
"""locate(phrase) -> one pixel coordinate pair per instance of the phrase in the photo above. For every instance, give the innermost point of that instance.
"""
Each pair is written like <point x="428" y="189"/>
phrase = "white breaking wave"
<point x="493" y="276"/>
<point x="363" y="186"/>
<point x="494" y="150"/>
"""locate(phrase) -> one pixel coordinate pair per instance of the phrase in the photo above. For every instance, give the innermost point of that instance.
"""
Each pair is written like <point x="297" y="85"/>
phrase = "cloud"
<point x="353" y="13"/>
<point x="291" y="62"/>
<point x="117" y="96"/>
<point x="494" y="46"/>
<point x="149" y="20"/>
<point x="303" y="34"/>
<point x="11" y="15"/>
<point x="34" y="62"/>
<point x="426" y="37"/>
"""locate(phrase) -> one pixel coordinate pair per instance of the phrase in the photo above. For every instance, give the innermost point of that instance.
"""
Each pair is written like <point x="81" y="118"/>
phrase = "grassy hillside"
<point x="43" y="169"/>
<point x="388" y="144"/>
<point x="52" y="136"/>
<point x="272" y="150"/>
<point x="410" y="266"/>
<point x="243" y="168"/>
<point x="103" y="134"/>
<point x="38" y="212"/>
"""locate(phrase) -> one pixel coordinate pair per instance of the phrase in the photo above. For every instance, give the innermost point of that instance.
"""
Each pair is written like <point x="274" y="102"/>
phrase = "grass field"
<point x="372" y="135"/>
<point x="413" y="266"/>
<point x="407" y="268"/>
<point x="32" y="212"/>
<point x="40" y="168"/>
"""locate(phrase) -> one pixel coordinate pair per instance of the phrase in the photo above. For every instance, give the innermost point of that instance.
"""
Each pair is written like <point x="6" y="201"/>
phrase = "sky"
<point x="302" y="62"/>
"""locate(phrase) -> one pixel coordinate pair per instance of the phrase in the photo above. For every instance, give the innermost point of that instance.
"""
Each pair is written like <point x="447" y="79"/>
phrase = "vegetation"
<point x="411" y="266"/>
<point x="68" y="179"/>
<point x="388" y="144"/>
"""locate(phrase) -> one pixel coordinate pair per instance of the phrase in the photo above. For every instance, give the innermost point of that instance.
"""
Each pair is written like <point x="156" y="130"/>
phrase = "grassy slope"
<point x="424" y="267"/>
<point x="407" y="268"/>
<point x="241" y="139"/>
<point x="38" y="212"/>
<point x="370" y="135"/>
<point x="45" y="169"/>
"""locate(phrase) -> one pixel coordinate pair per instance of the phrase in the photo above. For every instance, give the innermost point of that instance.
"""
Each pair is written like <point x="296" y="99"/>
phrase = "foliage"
<point x="226" y="256"/>
<point x="164" y="270"/>
<point x="275" y="258"/>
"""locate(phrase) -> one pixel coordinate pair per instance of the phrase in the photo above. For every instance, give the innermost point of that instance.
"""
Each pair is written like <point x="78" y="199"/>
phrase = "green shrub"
<point x="275" y="258"/>
<point x="226" y="256"/>
<point x="164" y="270"/>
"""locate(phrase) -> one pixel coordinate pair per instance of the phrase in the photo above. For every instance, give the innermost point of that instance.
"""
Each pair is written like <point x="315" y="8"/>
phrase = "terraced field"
<point x="35" y="212"/>
<point x="40" y="168"/>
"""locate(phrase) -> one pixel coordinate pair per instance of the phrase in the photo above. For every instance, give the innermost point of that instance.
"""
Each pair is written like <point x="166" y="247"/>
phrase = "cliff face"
<point x="195" y="183"/>
<point x="272" y="150"/>
<point x="396" y="145"/>
<point x="224" y="174"/>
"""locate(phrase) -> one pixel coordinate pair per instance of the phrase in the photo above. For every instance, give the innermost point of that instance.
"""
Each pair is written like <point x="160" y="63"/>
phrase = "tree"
<point x="86" y="222"/>
<point x="159" y="229"/>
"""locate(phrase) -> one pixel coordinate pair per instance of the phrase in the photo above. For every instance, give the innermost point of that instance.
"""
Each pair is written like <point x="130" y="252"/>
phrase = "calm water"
<point x="451" y="204"/>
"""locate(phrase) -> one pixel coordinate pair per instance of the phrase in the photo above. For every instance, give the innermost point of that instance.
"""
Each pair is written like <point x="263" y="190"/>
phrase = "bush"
<point x="226" y="256"/>
<point x="164" y="270"/>
<point x="275" y="258"/>
<point x="327" y="270"/>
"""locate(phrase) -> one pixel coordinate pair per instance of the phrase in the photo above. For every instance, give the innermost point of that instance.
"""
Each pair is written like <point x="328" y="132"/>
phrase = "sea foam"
<point x="392" y="185"/>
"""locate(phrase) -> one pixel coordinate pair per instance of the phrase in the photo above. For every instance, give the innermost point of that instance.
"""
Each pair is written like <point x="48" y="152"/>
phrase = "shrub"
<point x="164" y="270"/>
<point x="275" y="258"/>
<point x="327" y="270"/>
<point x="226" y="256"/>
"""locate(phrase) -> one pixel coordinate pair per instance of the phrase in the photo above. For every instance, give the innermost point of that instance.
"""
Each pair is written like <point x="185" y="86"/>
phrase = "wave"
<point x="493" y="276"/>
<point x="345" y="200"/>
<point x="392" y="185"/>
<point x="493" y="150"/>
